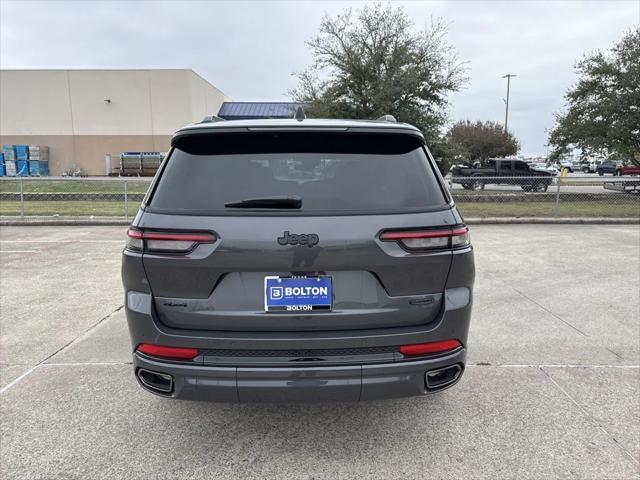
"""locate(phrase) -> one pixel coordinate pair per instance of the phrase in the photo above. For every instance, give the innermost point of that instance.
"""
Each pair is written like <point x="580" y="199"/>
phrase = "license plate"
<point x="297" y="294"/>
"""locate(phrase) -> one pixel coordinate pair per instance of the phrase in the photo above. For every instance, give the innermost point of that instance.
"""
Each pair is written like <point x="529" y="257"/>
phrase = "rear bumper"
<point x="338" y="378"/>
<point x="301" y="384"/>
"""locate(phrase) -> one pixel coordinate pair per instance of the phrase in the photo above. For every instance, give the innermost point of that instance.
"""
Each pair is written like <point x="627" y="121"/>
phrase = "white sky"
<point x="250" y="49"/>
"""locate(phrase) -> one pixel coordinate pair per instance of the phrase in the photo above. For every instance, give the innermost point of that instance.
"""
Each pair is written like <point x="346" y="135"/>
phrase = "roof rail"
<point x="211" y="118"/>
<point x="387" y="118"/>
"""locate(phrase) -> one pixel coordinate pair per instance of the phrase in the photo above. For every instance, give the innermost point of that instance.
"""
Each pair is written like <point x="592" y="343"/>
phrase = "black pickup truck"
<point x="502" y="172"/>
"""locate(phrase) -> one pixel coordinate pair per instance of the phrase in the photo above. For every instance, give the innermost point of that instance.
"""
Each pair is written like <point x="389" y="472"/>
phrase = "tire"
<point x="476" y="184"/>
<point x="540" y="187"/>
<point x="526" y="188"/>
<point x="586" y="170"/>
<point x="617" y="173"/>
<point x="600" y="172"/>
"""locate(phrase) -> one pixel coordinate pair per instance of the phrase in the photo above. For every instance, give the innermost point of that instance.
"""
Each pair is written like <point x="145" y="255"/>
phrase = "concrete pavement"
<point x="552" y="389"/>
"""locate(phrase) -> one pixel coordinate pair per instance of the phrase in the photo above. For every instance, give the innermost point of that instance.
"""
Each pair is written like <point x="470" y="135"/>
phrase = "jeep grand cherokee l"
<point x="298" y="260"/>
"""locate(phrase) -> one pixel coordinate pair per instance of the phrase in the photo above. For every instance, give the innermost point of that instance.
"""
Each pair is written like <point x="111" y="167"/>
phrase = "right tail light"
<point x="437" y="239"/>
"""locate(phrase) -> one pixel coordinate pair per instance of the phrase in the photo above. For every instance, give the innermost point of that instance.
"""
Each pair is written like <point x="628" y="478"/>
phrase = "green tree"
<point x="369" y="62"/>
<point x="481" y="140"/>
<point x="603" y="108"/>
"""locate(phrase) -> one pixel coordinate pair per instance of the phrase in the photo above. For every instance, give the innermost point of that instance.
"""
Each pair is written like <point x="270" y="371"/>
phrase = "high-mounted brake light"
<point x="166" y="242"/>
<point x="429" y="239"/>
<point x="173" y="353"/>
<point x="430" y="348"/>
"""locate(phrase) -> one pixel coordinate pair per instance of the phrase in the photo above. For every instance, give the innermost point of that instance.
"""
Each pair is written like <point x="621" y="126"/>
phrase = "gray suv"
<point x="298" y="260"/>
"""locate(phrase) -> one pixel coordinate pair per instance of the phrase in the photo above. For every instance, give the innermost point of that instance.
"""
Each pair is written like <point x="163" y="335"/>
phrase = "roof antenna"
<point x="299" y="114"/>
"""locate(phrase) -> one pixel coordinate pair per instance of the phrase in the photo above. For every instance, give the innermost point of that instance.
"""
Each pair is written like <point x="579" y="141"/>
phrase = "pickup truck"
<point x="502" y="172"/>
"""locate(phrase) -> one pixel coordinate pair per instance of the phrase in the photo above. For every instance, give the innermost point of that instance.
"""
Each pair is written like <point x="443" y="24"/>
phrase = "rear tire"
<point x="601" y="173"/>
<point x="527" y="188"/>
<point x="540" y="187"/>
<point x="477" y="185"/>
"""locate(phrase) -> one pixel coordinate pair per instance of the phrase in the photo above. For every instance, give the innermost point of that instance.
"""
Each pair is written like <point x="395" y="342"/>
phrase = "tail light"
<point x="166" y="242"/>
<point x="172" y="353"/>
<point x="429" y="239"/>
<point x="430" y="348"/>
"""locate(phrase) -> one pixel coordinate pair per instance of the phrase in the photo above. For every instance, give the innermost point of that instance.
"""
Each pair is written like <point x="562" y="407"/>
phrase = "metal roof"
<point x="256" y="110"/>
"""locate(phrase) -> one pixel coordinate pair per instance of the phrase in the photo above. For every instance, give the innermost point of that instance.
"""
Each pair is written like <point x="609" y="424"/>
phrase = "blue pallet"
<point x="22" y="169"/>
<point x="38" y="168"/>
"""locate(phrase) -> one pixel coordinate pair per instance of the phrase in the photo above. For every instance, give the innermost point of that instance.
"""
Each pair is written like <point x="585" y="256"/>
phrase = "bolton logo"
<point x="308" y="239"/>
<point x="275" y="293"/>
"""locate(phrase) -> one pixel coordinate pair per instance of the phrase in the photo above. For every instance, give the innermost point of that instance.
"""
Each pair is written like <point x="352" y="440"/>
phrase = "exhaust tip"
<point x="442" y="377"/>
<point x="155" y="381"/>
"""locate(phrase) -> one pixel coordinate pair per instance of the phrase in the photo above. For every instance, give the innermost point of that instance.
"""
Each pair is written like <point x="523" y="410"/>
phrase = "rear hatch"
<point x="303" y="204"/>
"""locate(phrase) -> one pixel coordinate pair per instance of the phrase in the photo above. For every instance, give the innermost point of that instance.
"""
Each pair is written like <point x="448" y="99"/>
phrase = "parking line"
<point x="16" y="380"/>
<point x="18" y="251"/>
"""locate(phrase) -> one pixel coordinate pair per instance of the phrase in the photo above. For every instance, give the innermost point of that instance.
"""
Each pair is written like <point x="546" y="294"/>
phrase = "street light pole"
<point x="506" y="113"/>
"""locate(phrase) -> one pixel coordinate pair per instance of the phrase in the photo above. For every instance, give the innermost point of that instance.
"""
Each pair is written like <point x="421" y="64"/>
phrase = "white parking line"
<point x="16" y="380"/>
<point x="18" y="251"/>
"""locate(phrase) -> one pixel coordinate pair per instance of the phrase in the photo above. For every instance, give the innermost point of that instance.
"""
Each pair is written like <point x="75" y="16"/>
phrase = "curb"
<point x="114" y="221"/>
<point x="62" y="221"/>
<point x="552" y="221"/>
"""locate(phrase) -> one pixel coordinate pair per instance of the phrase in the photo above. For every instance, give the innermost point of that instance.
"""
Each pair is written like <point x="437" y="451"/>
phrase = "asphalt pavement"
<point x="552" y="389"/>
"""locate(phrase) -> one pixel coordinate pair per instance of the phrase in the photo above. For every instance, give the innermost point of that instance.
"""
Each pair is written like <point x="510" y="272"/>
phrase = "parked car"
<point x="298" y="260"/>
<point x="609" y="166"/>
<point x="593" y="166"/>
<point x="572" y="166"/>
<point x="539" y="166"/>
<point x="502" y="172"/>
<point x="629" y="169"/>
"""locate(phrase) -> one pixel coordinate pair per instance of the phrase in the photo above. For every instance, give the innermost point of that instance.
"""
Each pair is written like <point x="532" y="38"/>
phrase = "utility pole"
<point x="506" y="113"/>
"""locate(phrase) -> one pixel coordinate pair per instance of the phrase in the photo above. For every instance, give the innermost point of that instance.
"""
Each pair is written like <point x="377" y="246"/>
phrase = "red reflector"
<point x="177" y="353"/>
<point x="431" y="347"/>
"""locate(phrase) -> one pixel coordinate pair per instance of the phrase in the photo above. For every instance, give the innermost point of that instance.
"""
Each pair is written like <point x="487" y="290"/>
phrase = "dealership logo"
<point x="308" y="239"/>
<point x="275" y="293"/>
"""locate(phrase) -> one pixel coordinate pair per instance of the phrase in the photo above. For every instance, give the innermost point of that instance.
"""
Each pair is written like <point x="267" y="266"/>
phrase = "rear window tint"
<point x="327" y="181"/>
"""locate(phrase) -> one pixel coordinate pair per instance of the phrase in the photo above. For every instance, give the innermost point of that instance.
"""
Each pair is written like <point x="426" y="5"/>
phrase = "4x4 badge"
<point x="308" y="239"/>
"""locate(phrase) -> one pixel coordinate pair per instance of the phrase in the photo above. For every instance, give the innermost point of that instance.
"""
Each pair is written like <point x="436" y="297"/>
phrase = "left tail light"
<point x="437" y="239"/>
<point x="166" y="242"/>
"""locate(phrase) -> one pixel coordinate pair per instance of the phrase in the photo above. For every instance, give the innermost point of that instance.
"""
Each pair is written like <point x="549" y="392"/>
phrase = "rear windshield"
<point x="327" y="181"/>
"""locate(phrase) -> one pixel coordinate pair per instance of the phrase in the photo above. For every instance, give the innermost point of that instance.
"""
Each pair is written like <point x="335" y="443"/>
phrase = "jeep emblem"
<point x="308" y="239"/>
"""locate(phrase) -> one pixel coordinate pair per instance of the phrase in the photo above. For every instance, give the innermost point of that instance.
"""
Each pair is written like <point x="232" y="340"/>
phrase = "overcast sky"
<point x="250" y="49"/>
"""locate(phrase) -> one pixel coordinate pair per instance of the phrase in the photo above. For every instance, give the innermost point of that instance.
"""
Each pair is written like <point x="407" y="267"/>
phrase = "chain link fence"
<point x="27" y="197"/>
<point x="476" y="197"/>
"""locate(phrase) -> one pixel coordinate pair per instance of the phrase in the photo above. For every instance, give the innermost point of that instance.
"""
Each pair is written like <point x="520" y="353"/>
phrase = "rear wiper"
<point x="267" y="202"/>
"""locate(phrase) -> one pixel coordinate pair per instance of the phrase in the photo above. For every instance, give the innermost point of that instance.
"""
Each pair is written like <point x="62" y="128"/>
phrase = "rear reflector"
<point x="429" y="239"/>
<point x="166" y="242"/>
<point x="174" y="353"/>
<point x="429" y="348"/>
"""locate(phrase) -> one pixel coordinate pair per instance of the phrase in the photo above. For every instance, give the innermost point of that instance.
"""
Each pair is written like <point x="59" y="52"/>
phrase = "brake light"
<point x="172" y="353"/>
<point x="429" y="348"/>
<point x="429" y="239"/>
<point x="166" y="242"/>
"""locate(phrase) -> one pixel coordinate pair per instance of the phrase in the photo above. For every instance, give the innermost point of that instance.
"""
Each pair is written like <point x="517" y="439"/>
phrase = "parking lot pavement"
<point x="552" y="389"/>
